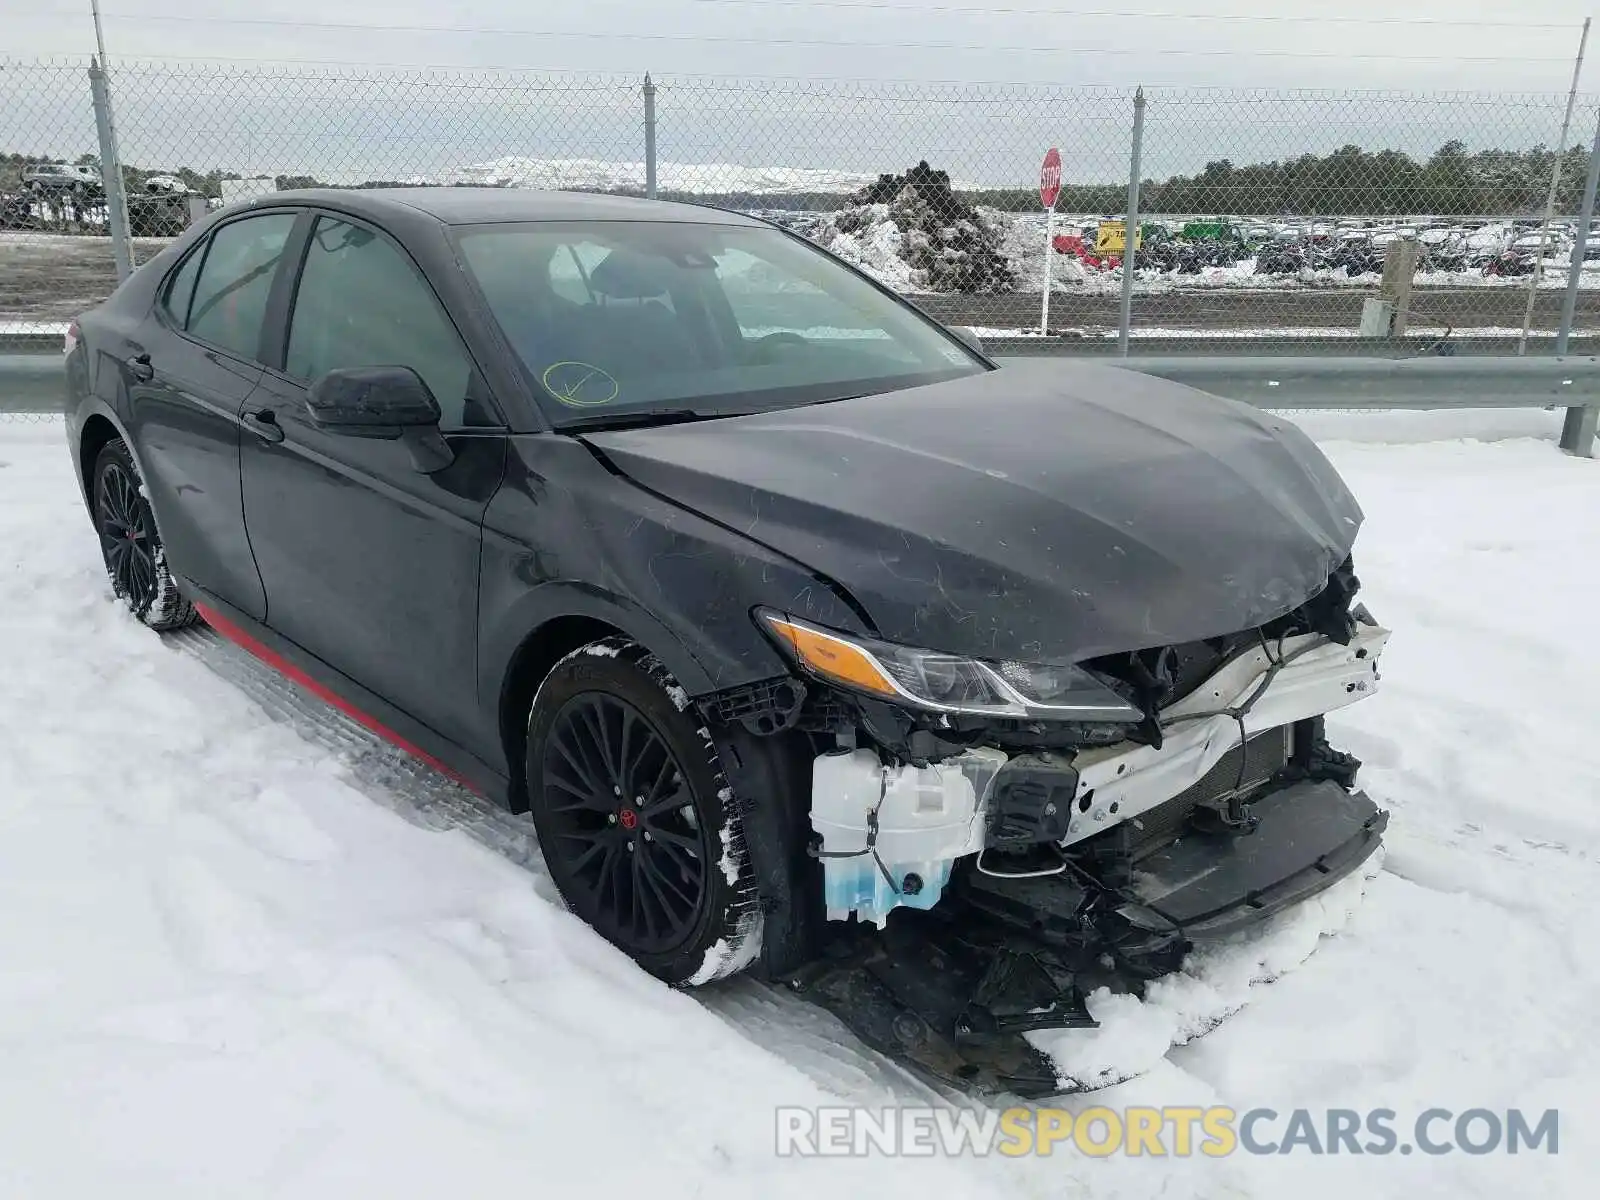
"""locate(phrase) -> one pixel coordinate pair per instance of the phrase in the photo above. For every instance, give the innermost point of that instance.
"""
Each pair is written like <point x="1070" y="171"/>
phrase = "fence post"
<point x="1130" y="228"/>
<point x="1577" y="430"/>
<point x="1399" y="275"/>
<point x="111" y="171"/>
<point x="1555" y="186"/>
<point x="649" y="137"/>
<point x="1569" y="302"/>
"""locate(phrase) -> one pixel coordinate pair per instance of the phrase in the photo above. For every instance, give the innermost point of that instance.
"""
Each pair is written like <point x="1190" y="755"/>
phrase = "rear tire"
<point x="636" y="820"/>
<point x="135" y="559"/>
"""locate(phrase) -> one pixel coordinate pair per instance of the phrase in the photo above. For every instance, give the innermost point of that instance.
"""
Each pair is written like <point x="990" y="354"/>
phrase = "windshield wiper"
<point x="638" y="420"/>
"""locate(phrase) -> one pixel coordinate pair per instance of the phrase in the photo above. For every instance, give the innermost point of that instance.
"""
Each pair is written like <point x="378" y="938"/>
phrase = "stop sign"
<point x="1050" y="178"/>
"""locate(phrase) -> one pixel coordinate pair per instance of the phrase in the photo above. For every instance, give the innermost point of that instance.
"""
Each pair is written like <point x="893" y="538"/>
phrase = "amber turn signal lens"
<point x="832" y="658"/>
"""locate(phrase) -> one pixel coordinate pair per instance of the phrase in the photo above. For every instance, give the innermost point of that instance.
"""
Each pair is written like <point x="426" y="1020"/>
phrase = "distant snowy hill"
<point x="600" y="175"/>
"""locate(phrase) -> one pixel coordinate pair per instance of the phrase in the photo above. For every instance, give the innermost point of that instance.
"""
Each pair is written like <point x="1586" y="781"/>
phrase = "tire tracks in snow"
<point x="808" y="1038"/>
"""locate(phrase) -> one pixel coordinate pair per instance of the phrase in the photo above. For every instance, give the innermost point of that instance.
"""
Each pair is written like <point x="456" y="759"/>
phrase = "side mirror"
<point x="382" y="402"/>
<point x="371" y="401"/>
<point x="968" y="337"/>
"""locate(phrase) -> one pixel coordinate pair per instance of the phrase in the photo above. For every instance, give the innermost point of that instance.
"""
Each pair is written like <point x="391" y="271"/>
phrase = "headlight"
<point x="938" y="682"/>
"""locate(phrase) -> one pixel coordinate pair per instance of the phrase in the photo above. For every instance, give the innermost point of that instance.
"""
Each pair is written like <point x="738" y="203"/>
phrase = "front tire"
<point x="134" y="557"/>
<point x="636" y="820"/>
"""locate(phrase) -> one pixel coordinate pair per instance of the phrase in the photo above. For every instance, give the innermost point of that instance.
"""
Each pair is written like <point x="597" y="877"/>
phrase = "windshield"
<point x="628" y="318"/>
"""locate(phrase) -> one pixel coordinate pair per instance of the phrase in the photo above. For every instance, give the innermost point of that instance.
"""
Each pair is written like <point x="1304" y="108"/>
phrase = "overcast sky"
<point x="348" y="126"/>
<point x="962" y="40"/>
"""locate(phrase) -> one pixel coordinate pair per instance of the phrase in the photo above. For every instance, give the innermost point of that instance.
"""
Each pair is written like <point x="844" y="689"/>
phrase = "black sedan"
<point x="789" y="617"/>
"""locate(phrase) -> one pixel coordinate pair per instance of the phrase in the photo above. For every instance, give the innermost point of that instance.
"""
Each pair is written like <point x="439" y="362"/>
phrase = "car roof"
<point x="482" y="205"/>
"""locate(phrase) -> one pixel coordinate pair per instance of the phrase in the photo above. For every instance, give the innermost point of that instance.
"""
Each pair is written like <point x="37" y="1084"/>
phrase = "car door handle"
<point x="264" y="424"/>
<point x="139" y="367"/>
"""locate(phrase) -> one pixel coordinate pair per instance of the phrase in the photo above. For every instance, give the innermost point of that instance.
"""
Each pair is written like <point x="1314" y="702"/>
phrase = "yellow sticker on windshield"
<point x="580" y="385"/>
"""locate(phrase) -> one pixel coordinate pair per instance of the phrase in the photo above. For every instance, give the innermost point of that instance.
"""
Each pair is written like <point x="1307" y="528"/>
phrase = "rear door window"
<point x="230" y="296"/>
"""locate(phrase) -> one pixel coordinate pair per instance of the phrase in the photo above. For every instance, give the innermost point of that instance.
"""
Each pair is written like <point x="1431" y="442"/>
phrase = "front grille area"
<point x="1164" y="675"/>
<point x="1264" y="755"/>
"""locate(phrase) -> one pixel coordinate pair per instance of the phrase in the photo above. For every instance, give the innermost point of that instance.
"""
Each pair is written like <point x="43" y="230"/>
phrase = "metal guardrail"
<point x="1568" y="381"/>
<point x="33" y="383"/>
<point x="1383" y="383"/>
<point x="1458" y="344"/>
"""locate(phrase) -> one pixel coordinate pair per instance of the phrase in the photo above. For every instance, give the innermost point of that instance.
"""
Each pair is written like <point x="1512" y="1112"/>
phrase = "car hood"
<point x="1048" y="511"/>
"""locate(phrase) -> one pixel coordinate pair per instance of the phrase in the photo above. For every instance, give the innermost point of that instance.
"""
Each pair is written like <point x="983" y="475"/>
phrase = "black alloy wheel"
<point x="130" y="543"/>
<point x="624" y="823"/>
<point x="636" y="821"/>
<point x="126" y="536"/>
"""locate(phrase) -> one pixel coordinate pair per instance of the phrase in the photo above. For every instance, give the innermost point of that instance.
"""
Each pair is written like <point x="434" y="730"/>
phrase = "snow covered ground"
<point x="247" y="952"/>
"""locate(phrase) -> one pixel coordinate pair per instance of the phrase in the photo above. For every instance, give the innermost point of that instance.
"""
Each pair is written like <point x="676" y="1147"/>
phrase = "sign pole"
<point x="1049" y="253"/>
<point x="1049" y="193"/>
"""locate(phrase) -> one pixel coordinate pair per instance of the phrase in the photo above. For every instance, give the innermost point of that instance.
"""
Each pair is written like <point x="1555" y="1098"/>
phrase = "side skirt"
<point x="349" y="697"/>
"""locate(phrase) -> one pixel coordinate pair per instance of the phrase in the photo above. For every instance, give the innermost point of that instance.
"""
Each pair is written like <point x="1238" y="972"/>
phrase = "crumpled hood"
<point x="1048" y="511"/>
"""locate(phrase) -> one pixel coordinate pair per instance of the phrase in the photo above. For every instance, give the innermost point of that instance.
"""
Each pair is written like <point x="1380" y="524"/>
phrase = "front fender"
<point x="522" y="615"/>
<point x="565" y="537"/>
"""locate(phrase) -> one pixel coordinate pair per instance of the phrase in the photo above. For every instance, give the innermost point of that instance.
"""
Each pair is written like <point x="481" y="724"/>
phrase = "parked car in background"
<point x="169" y="184"/>
<point x="17" y="211"/>
<point x="1382" y="237"/>
<point x="1554" y="244"/>
<point x="1443" y="249"/>
<point x="1486" y="242"/>
<point x="1357" y="253"/>
<point x="158" y="214"/>
<point x="1284" y="256"/>
<point x="62" y="177"/>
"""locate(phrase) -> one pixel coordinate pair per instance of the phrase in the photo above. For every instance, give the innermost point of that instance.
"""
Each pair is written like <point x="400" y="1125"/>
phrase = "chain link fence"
<point x="1265" y="217"/>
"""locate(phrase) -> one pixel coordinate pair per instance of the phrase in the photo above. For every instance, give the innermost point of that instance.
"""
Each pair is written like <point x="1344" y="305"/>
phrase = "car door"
<point x="369" y="562"/>
<point x="190" y="368"/>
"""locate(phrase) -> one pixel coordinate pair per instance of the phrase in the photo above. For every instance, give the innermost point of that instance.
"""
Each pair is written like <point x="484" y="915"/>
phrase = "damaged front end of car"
<point x="998" y="839"/>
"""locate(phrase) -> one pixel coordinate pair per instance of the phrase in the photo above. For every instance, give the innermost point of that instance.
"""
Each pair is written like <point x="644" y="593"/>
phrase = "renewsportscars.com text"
<point x="1175" y="1131"/>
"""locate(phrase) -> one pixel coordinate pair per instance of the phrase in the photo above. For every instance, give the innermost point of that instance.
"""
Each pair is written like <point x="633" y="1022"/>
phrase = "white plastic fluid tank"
<point x="927" y="818"/>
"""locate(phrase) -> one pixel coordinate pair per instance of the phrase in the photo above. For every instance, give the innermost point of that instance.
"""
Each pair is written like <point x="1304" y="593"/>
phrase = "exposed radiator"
<point x="1265" y="754"/>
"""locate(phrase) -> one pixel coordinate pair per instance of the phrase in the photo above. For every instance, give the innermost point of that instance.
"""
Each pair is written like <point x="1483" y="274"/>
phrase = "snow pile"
<point x="867" y="237"/>
<point x="602" y="175"/>
<point x="913" y="233"/>
<point x="1215" y="983"/>
<point x="247" y="953"/>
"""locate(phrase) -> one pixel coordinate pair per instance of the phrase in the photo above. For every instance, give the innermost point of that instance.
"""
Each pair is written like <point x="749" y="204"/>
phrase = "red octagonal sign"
<point x="1050" y="178"/>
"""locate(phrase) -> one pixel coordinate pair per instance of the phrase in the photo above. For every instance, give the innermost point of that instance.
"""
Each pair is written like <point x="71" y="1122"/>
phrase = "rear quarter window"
<point x="179" y="289"/>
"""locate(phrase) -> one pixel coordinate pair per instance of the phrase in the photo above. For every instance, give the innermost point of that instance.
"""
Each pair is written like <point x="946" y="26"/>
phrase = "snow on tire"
<point x="637" y="822"/>
<point x="130" y="544"/>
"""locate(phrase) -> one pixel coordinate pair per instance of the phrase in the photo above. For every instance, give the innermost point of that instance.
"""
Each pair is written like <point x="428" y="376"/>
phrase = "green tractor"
<point x="1215" y="229"/>
<point x="1218" y="241"/>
